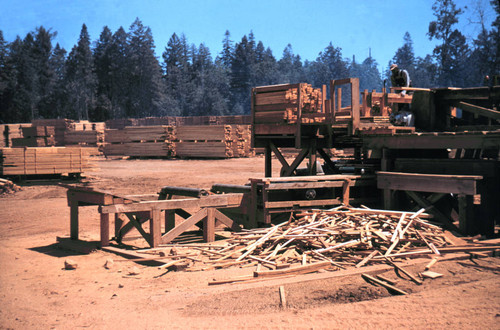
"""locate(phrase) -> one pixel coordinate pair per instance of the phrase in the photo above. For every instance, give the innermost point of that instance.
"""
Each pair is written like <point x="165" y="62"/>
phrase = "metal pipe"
<point x="182" y="191"/>
<point x="229" y="188"/>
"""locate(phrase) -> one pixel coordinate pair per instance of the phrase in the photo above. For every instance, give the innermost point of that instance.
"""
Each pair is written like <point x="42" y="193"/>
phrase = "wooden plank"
<point x="388" y="286"/>
<point x="440" y="183"/>
<point x="155" y="228"/>
<point x="74" y="226"/>
<point x="309" y="268"/>
<point x="481" y="111"/>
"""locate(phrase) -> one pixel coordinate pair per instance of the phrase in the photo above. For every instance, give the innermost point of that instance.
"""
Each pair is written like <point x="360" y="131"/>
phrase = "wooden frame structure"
<point x="137" y="212"/>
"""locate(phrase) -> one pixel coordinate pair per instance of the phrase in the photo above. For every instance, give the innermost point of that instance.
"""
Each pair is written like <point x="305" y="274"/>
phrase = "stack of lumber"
<point x="241" y="136"/>
<point x="9" y="132"/>
<point x="204" y="141"/>
<point x="35" y="136"/>
<point x="60" y="126"/>
<point x="279" y="103"/>
<point x="139" y="141"/>
<point x="54" y="160"/>
<point x="83" y="138"/>
<point x="85" y="125"/>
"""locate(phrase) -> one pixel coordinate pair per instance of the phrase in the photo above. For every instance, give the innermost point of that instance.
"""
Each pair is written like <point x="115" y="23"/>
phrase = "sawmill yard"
<point x="36" y="291"/>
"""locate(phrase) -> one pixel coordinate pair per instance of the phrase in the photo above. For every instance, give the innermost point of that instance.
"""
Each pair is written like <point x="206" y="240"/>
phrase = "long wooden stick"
<point x="389" y="287"/>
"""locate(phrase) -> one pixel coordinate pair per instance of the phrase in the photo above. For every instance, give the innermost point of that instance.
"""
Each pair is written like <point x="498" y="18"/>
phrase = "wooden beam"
<point x="185" y="225"/>
<point x="439" y="183"/>
<point x="300" y="157"/>
<point x="433" y="210"/>
<point x="230" y="223"/>
<point x="477" y="110"/>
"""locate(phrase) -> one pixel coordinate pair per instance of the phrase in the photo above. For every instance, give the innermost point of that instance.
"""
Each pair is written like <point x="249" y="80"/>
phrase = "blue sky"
<point x="308" y="25"/>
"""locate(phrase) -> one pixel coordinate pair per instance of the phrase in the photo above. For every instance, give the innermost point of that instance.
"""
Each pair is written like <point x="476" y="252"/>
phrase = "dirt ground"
<point x="37" y="293"/>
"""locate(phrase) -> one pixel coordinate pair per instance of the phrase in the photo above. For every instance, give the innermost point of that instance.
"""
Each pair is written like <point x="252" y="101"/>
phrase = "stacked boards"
<point x="54" y="160"/>
<point x="35" y="136"/>
<point x="139" y="141"/>
<point x="283" y="104"/>
<point x="214" y="141"/>
<point x="201" y="141"/>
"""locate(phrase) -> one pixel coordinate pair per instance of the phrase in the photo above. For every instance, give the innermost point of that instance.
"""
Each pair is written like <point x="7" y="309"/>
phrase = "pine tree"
<point x="119" y="73"/>
<point x="290" y="67"/>
<point x="80" y="78"/>
<point x="405" y="56"/>
<point x="102" y="65"/>
<point x="145" y="89"/>
<point x="451" y="53"/>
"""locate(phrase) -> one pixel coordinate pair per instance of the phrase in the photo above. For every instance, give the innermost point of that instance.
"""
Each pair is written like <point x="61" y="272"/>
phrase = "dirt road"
<point x="37" y="293"/>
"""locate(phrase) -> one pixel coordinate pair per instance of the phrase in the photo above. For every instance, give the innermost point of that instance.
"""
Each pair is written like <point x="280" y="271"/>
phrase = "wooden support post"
<point x="339" y="99"/>
<point x="155" y="228"/>
<point x="169" y="220"/>
<point x="323" y="98"/>
<point x="268" y="162"/>
<point x="105" y="229"/>
<point x="332" y="101"/>
<point x="466" y="214"/>
<point x="355" y="104"/>
<point x="312" y="158"/>
<point x="118" y="224"/>
<point x="383" y="103"/>
<point x="346" y="191"/>
<point x="209" y="226"/>
<point x="385" y="165"/>
<point x="73" y="219"/>
<point x="298" y="132"/>
<point x="365" y="107"/>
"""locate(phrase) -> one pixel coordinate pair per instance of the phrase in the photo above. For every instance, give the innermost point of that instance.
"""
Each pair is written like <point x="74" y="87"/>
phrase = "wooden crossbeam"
<point x="477" y="110"/>
<point x="185" y="225"/>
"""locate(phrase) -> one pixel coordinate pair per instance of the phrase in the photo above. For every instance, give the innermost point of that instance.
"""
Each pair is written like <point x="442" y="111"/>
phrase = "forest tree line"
<point x="118" y="75"/>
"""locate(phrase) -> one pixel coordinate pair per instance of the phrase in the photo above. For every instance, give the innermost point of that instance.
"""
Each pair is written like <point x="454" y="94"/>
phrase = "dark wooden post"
<point x="105" y="229"/>
<point x="73" y="219"/>
<point x="268" y="162"/>
<point x="155" y="227"/>
<point x="209" y="226"/>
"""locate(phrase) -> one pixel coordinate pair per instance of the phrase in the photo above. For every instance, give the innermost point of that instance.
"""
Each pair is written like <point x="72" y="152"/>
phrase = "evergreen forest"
<point x="118" y="75"/>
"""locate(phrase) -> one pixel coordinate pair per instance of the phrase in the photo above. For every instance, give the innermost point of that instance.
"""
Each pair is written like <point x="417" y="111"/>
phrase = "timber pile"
<point x="204" y="141"/>
<point x="84" y="138"/>
<point x="213" y="141"/>
<point x="333" y="239"/>
<point x="278" y="104"/>
<point x="8" y="187"/>
<point x="139" y="141"/>
<point x="53" y="160"/>
<point x="179" y="121"/>
<point x="35" y="136"/>
<point x="9" y="132"/>
<point x="60" y="126"/>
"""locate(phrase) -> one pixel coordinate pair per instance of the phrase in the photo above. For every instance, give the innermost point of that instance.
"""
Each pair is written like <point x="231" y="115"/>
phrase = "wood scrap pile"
<point x="53" y="160"/>
<point x="334" y="239"/>
<point x="278" y="104"/>
<point x="8" y="187"/>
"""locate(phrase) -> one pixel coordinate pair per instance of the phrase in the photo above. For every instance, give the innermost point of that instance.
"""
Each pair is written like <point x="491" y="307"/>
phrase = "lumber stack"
<point x="60" y="126"/>
<point x="9" y="132"/>
<point x="53" y="160"/>
<point x="83" y="138"/>
<point x="278" y="104"/>
<point x="139" y="141"/>
<point x="213" y="141"/>
<point x="35" y="136"/>
<point x="204" y="141"/>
